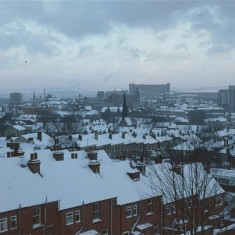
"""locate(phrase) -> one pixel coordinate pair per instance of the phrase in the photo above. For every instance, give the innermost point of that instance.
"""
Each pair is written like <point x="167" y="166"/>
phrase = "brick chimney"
<point x="34" y="163"/>
<point x="95" y="166"/>
<point x="39" y="135"/>
<point x="59" y="156"/>
<point x="110" y="136"/>
<point x="141" y="167"/>
<point x="92" y="156"/>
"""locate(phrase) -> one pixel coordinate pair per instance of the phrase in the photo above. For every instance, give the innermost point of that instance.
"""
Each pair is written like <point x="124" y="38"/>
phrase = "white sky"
<point x="105" y="45"/>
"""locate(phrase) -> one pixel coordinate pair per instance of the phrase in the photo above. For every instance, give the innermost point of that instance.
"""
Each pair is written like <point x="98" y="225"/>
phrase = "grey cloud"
<point x="79" y="19"/>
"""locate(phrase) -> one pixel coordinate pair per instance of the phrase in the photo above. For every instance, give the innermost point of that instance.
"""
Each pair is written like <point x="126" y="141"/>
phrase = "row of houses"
<point x="79" y="192"/>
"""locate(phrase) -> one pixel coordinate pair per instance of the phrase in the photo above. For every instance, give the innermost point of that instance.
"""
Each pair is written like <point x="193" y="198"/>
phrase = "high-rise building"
<point x="15" y="98"/>
<point x="223" y="98"/>
<point x="231" y="99"/>
<point x="146" y="90"/>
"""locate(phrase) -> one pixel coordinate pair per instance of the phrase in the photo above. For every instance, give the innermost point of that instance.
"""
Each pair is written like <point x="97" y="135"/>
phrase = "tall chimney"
<point x="34" y="163"/>
<point x="39" y="135"/>
<point x="110" y="136"/>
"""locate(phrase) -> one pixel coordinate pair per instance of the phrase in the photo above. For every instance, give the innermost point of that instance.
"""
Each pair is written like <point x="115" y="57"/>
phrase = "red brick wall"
<point x="154" y="218"/>
<point x="87" y="222"/>
<point x="25" y="220"/>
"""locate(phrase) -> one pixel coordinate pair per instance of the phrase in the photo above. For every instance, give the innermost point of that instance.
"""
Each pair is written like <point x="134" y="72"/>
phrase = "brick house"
<point x="79" y="193"/>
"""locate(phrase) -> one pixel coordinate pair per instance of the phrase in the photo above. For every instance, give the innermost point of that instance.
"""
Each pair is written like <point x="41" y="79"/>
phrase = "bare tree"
<point x="192" y="199"/>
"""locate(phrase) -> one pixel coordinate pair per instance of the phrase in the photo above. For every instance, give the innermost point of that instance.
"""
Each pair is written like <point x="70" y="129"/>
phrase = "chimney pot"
<point x="34" y="163"/>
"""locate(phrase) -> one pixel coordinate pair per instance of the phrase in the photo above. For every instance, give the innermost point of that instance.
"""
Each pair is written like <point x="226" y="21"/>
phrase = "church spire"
<point x="124" y="107"/>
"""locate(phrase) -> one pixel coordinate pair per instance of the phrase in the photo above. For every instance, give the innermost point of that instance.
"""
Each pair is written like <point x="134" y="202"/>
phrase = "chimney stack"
<point x="141" y="167"/>
<point x="39" y="135"/>
<point x="95" y="166"/>
<point x="110" y="136"/>
<point x="34" y="163"/>
<point x="92" y="156"/>
<point x="59" y="156"/>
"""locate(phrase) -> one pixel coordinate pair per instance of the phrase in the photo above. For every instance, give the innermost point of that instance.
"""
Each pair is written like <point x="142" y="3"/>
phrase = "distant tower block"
<point x="16" y="98"/>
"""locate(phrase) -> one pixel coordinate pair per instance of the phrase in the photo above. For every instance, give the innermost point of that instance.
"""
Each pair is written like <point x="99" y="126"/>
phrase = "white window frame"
<point x="37" y="216"/>
<point x="77" y="213"/>
<point x="128" y="211"/>
<point x="135" y="210"/>
<point x="14" y="220"/>
<point x="126" y="233"/>
<point x="149" y="206"/>
<point x="218" y="200"/>
<point x="69" y="218"/>
<point x="168" y="210"/>
<point x="105" y="232"/>
<point x="96" y="211"/>
<point x="3" y="225"/>
<point x="173" y="209"/>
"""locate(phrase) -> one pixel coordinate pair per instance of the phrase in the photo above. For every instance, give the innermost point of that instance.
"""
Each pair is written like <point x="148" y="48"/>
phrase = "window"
<point x="36" y="215"/>
<point x="128" y="211"/>
<point x="189" y="203"/>
<point x="3" y="225"/>
<point x="218" y="201"/>
<point x="168" y="210"/>
<point x="105" y="232"/>
<point x="96" y="211"/>
<point x="13" y="222"/>
<point x="69" y="218"/>
<point x="126" y="233"/>
<point x="135" y="210"/>
<point x="77" y="216"/>
<point x="173" y="209"/>
<point x="149" y="206"/>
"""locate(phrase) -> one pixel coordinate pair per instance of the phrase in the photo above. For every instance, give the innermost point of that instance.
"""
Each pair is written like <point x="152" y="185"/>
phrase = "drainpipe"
<point x="111" y="215"/>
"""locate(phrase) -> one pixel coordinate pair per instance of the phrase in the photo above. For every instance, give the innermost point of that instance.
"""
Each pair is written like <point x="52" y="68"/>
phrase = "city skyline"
<point x="100" y="45"/>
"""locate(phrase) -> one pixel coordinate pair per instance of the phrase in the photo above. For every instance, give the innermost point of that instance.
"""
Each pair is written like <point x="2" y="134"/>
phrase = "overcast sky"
<point x="105" y="45"/>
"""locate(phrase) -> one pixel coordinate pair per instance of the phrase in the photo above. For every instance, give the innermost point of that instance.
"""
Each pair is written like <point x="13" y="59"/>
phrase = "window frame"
<point x="135" y="210"/>
<point x="168" y="210"/>
<point x="128" y="211"/>
<point x="68" y="218"/>
<point x="218" y="200"/>
<point x="13" y="219"/>
<point x="173" y="209"/>
<point x="3" y="225"/>
<point x="149" y="206"/>
<point x="105" y="232"/>
<point x="37" y="217"/>
<point x="96" y="211"/>
<point x="77" y="213"/>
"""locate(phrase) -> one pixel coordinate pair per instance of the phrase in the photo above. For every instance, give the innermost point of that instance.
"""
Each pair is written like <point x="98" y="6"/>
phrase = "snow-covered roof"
<point x="180" y="185"/>
<point x="19" y="128"/>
